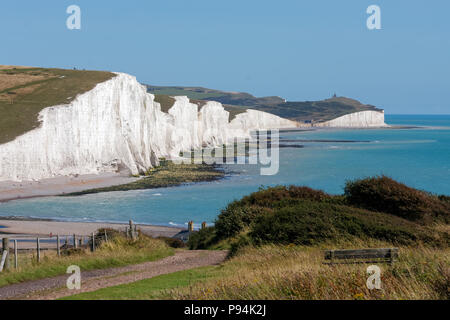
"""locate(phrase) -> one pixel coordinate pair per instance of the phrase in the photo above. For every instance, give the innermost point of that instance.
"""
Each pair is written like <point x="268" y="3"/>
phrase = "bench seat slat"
<point x="382" y="253"/>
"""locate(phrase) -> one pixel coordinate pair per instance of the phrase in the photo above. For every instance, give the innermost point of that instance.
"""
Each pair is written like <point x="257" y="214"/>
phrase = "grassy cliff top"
<point x="167" y="102"/>
<point x="25" y="91"/>
<point x="302" y="111"/>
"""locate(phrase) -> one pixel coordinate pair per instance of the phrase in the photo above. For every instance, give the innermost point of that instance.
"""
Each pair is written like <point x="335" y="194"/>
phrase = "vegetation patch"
<point x="117" y="251"/>
<point x="298" y="272"/>
<point x="303" y="216"/>
<point x="277" y="238"/>
<point x="165" y="101"/>
<point x="387" y="195"/>
<point x="166" y="175"/>
<point x="294" y="272"/>
<point x="159" y="287"/>
<point x="311" y="223"/>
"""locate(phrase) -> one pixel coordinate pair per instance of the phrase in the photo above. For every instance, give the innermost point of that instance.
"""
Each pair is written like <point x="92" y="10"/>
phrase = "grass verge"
<point x="294" y="272"/>
<point x="298" y="272"/>
<point x="115" y="253"/>
<point x="154" y="288"/>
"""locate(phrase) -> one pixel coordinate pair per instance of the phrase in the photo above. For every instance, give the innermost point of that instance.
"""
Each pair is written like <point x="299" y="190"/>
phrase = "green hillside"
<point x="305" y="111"/>
<point x="278" y="236"/>
<point x="378" y="209"/>
<point x="24" y="92"/>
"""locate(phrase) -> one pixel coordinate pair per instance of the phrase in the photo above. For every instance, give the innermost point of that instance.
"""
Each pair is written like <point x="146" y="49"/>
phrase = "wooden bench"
<point x="381" y="255"/>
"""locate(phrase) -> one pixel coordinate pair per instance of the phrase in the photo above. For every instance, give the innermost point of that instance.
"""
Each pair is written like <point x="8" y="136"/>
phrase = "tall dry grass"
<point x="293" y="272"/>
<point x="119" y="251"/>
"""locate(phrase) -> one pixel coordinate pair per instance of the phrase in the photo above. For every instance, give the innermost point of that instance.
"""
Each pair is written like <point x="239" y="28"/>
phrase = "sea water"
<point x="418" y="155"/>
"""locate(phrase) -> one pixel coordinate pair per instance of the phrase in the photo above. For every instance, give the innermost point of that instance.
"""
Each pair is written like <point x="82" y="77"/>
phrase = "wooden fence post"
<point x="3" y="258"/>
<point x="190" y="228"/>
<point x="75" y="245"/>
<point x="93" y="242"/>
<point x="16" y="260"/>
<point x="106" y="236"/>
<point x="58" y="246"/>
<point x="38" y="249"/>
<point x="132" y="235"/>
<point x="5" y="243"/>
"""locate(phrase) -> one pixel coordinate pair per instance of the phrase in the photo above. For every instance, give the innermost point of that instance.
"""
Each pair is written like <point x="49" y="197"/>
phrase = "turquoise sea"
<point x="419" y="157"/>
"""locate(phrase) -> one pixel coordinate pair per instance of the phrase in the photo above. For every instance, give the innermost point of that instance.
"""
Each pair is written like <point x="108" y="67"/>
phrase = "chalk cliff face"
<point x="363" y="119"/>
<point x="118" y="125"/>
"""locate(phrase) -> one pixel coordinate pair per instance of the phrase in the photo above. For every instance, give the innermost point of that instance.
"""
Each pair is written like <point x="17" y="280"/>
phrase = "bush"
<point x="281" y="196"/>
<point x="235" y="218"/>
<point x="240" y="215"/>
<point x="104" y="234"/>
<point x="173" y="242"/>
<point x="374" y="208"/>
<point x="384" y="194"/>
<point x="202" y="239"/>
<point x="311" y="223"/>
<point x="241" y="242"/>
<point x="72" y="251"/>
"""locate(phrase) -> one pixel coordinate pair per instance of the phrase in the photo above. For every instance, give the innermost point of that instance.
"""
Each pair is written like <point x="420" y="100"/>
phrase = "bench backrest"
<point x="363" y="255"/>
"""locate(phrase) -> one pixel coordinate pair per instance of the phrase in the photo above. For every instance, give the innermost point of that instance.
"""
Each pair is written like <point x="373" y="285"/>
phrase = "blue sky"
<point x="300" y="50"/>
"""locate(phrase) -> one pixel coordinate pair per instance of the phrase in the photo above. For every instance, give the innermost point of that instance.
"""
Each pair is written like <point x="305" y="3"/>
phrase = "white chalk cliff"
<point x="119" y="125"/>
<point x="362" y="119"/>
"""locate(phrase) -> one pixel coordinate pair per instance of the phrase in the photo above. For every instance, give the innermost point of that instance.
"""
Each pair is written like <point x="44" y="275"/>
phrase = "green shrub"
<point x="104" y="234"/>
<point x="374" y="208"/>
<point x="72" y="251"/>
<point x="281" y="196"/>
<point x="173" y="242"/>
<point x="384" y="194"/>
<point x="235" y="218"/>
<point x="241" y="242"/>
<point x="311" y="223"/>
<point x="202" y="239"/>
<point x="242" y="213"/>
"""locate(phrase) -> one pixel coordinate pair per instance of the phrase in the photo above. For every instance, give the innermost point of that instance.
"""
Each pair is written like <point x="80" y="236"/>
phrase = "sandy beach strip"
<point x="11" y="228"/>
<point x="13" y="190"/>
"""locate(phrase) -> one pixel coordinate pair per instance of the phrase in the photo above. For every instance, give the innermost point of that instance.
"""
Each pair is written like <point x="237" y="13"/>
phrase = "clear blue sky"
<point x="300" y="50"/>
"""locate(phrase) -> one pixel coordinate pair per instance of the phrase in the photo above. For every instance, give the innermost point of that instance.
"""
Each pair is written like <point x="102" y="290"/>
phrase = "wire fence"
<point x="14" y="245"/>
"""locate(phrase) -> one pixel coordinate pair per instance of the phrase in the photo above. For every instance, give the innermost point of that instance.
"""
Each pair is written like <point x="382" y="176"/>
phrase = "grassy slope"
<point x="115" y="253"/>
<point x="317" y="110"/>
<point x="278" y="235"/>
<point x="303" y="216"/>
<point x="300" y="111"/>
<point x="295" y="272"/>
<point x="165" y="101"/>
<point x="21" y="102"/>
<point x="154" y="288"/>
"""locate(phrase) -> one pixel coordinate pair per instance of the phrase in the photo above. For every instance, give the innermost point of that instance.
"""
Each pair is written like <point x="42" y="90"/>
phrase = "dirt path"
<point x="54" y="288"/>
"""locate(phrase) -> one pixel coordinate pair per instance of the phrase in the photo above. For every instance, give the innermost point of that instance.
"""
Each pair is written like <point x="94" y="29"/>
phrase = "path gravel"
<point x="54" y="288"/>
